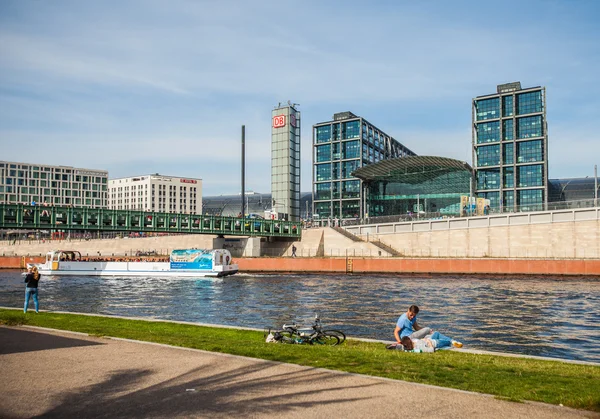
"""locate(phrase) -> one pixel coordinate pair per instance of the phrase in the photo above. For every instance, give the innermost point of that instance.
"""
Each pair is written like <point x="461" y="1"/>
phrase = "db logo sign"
<point x="279" y="121"/>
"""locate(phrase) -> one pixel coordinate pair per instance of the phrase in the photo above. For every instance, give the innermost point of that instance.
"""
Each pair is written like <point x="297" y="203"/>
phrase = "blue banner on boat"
<point x="191" y="259"/>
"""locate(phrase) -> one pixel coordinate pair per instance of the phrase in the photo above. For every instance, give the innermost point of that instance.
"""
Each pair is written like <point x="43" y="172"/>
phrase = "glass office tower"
<point x="285" y="162"/>
<point x="339" y="148"/>
<point x="510" y="148"/>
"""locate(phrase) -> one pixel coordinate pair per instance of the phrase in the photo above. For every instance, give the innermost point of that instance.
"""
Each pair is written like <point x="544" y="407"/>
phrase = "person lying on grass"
<point x="429" y="343"/>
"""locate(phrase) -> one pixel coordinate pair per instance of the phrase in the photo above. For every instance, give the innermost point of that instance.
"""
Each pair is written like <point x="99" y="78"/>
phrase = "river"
<point x="553" y="317"/>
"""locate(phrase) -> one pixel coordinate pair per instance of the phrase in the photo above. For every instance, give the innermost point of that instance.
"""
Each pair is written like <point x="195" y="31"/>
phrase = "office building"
<point x="53" y="185"/>
<point x="156" y="193"/>
<point x="285" y="161"/>
<point x="340" y="147"/>
<point x="510" y="148"/>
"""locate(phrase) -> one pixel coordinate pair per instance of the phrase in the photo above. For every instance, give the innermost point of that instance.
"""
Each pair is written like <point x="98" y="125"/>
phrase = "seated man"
<point x="407" y="325"/>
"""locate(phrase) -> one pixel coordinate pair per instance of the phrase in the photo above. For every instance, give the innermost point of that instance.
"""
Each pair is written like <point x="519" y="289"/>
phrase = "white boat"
<point x="181" y="263"/>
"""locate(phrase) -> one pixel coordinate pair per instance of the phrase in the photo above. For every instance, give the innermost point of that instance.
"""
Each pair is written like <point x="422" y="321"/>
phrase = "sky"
<point x="154" y="86"/>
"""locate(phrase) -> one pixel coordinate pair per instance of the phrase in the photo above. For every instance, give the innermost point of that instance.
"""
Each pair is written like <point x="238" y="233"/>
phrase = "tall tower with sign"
<point x="285" y="161"/>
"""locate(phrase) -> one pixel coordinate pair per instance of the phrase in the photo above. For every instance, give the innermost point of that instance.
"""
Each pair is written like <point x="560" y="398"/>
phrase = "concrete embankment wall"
<point x="552" y="235"/>
<point x="558" y="240"/>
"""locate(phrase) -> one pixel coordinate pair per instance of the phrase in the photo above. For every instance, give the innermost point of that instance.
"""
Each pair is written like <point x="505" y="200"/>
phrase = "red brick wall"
<point x="358" y="265"/>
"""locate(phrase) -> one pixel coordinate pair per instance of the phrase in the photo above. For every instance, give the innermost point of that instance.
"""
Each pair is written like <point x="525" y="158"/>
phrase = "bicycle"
<point x="292" y="334"/>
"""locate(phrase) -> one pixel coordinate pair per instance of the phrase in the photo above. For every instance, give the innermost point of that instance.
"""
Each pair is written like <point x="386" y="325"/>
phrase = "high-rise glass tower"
<point x="285" y="161"/>
<point x="510" y="148"/>
<point x="339" y="148"/>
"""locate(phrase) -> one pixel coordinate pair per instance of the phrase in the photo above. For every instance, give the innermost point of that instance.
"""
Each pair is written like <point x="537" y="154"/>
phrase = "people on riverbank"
<point x="31" y="289"/>
<point x="429" y="343"/>
<point x="407" y="326"/>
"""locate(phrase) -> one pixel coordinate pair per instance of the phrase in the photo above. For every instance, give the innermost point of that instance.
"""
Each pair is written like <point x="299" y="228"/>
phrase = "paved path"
<point x="63" y="374"/>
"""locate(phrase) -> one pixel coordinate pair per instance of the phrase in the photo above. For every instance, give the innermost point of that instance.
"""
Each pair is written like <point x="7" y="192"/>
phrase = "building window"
<point x="348" y="167"/>
<point x="508" y="130"/>
<point x="530" y="176"/>
<point x="335" y="190"/>
<point x="494" y="198"/>
<point x="323" y="134"/>
<point x="351" y="130"/>
<point x="488" y="155"/>
<point x="323" y="153"/>
<point x="351" y="189"/>
<point x="323" y="171"/>
<point x="529" y="127"/>
<point x="488" y="132"/>
<point x="509" y="199"/>
<point x="529" y="102"/>
<point x="488" y="179"/>
<point x="507" y="106"/>
<point x="336" y="170"/>
<point x="351" y="150"/>
<point x="530" y="200"/>
<point x="529" y="151"/>
<point x="336" y="151"/>
<point x="507" y="153"/>
<point x="350" y="209"/>
<point x="509" y="177"/>
<point x="487" y="109"/>
<point x="323" y="209"/>
<point x="323" y="191"/>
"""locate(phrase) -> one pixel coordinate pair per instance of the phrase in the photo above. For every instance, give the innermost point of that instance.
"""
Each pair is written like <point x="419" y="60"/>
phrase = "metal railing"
<point x="423" y="216"/>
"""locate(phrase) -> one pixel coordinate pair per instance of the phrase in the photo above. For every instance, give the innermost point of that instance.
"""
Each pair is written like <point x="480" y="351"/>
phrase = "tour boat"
<point x="181" y="263"/>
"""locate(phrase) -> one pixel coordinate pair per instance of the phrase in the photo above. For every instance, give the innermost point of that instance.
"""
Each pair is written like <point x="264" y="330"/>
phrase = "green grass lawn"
<point x="509" y="378"/>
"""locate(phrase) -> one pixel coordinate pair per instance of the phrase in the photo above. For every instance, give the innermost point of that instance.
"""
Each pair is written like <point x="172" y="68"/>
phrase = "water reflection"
<point x="539" y="316"/>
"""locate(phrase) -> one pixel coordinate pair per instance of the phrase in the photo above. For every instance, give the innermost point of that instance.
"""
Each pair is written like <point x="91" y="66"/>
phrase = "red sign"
<point x="187" y="181"/>
<point x="293" y="120"/>
<point x="278" y="121"/>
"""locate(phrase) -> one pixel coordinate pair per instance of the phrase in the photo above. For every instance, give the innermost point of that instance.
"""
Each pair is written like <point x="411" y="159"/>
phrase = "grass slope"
<point x="508" y="378"/>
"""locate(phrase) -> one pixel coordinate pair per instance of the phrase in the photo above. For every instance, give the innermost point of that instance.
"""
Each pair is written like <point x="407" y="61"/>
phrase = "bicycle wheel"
<point x="337" y="333"/>
<point x="326" y="339"/>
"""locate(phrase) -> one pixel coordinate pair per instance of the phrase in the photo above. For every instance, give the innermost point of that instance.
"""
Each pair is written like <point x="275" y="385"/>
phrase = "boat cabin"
<point x="63" y="256"/>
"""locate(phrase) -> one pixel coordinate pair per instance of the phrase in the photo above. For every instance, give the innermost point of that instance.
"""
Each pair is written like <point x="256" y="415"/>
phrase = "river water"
<point x="554" y="317"/>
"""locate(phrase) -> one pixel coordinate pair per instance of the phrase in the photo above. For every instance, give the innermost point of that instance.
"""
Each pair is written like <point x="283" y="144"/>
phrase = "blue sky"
<point x="144" y="86"/>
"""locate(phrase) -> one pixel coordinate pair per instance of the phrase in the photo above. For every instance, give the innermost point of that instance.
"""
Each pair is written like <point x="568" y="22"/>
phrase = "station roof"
<point x="414" y="169"/>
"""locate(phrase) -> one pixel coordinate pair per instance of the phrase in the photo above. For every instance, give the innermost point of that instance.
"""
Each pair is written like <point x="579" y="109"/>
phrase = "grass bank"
<point x="514" y="379"/>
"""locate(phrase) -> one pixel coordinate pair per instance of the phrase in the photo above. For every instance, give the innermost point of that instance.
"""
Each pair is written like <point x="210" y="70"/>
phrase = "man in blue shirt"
<point x="407" y="326"/>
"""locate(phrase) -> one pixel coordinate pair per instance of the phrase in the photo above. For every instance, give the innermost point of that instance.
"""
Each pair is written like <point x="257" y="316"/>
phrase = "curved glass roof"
<point x="414" y="169"/>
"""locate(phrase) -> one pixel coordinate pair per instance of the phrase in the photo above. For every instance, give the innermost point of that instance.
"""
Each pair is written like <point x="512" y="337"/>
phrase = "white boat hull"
<point x="143" y="269"/>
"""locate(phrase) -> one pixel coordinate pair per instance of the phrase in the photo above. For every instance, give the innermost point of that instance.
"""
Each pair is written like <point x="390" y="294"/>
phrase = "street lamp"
<point x="595" y="185"/>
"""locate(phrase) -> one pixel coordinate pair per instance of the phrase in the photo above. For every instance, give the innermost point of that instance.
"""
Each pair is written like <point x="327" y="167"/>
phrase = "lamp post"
<point x="595" y="185"/>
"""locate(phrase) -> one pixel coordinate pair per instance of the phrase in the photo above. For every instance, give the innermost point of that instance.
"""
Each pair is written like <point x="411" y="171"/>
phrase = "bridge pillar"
<point x="218" y="243"/>
<point x="253" y="247"/>
<point x="248" y="247"/>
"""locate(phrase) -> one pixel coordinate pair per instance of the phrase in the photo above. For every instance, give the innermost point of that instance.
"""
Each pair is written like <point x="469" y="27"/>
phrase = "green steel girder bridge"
<point x="36" y="217"/>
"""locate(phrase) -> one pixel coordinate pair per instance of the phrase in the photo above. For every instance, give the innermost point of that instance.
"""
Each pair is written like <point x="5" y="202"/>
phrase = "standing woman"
<point x="31" y="279"/>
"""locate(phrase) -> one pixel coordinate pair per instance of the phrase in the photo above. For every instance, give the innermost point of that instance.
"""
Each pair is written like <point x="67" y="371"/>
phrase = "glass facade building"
<point x="54" y="185"/>
<point x="413" y="185"/>
<point x="285" y="162"/>
<point x="340" y="147"/>
<point x="510" y="148"/>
